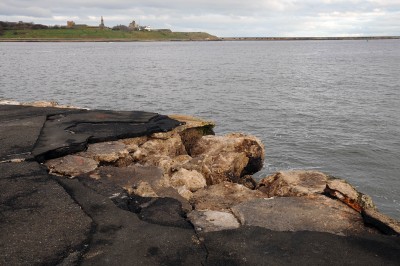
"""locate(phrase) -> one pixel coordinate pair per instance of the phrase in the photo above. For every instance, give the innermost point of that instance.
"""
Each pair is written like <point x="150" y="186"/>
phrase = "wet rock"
<point x="192" y="180"/>
<point x="251" y="146"/>
<point x="71" y="165"/>
<point x="293" y="183"/>
<point x="209" y="221"/>
<point x="317" y="213"/>
<point x="106" y="152"/>
<point x="384" y="223"/>
<point x="223" y="196"/>
<point x="346" y="193"/>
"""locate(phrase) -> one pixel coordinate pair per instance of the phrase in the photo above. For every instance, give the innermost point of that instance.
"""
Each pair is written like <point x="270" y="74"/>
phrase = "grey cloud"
<point x="223" y="17"/>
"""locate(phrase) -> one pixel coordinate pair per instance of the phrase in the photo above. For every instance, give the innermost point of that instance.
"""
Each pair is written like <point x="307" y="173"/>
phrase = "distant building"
<point x="70" y="24"/>
<point x="133" y="25"/>
<point x="101" y="26"/>
<point x="145" y="28"/>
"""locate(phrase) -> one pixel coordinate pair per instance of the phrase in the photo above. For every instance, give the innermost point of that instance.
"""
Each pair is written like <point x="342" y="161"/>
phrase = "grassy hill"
<point x="96" y="34"/>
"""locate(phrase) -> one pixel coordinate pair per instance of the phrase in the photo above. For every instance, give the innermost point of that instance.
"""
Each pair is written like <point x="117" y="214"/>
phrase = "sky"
<point x="223" y="18"/>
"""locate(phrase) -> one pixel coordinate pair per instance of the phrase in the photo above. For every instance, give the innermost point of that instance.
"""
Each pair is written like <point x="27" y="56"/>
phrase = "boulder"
<point x="170" y="147"/>
<point x="223" y="196"/>
<point x="209" y="221"/>
<point x="192" y="180"/>
<point x="293" y="183"/>
<point x="346" y="193"/>
<point x="225" y="166"/>
<point x="251" y="146"/>
<point x="167" y="164"/>
<point x="71" y="165"/>
<point x="316" y="213"/>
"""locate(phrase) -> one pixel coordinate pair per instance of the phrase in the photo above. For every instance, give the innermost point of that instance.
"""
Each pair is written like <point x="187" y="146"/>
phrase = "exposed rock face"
<point x="318" y="213"/>
<point x="223" y="196"/>
<point x="250" y="146"/>
<point x="346" y="193"/>
<point x="293" y="183"/>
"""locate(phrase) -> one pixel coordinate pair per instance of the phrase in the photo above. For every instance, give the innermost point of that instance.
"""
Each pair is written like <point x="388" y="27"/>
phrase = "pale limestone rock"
<point x="106" y="151"/>
<point x="293" y="183"/>
<point x="225" y="166"/>
<point x="313" y="213"/>
<point x="346" y="193"/>
<point x="223" y="196"/>
<point x="192" y="180"/>
<point x="185" y="192"/>
<point x="167" y="164"/>
<point x="235" y="143"/>
<point x="71" y="165"/>
<point x="144" y="190"/>
<point x="133" y="144"/>
<point x="170" y="147"/>
<point x="209" y="221"/>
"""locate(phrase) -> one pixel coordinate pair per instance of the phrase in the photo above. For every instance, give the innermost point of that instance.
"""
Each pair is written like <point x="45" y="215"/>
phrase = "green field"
<point x="96" y="34"/>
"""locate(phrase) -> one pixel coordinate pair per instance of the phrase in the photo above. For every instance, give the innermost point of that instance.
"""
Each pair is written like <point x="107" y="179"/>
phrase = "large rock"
<point x="192" y="180"/>
<point x="170" y="147"/>
<point x="223" y="196"/>
<point x="293" y="183"/>
<point x="346" y="193"/>
<point x="318" y="213"/>
<point x="251" y="146"/>
<point x="209" y="221"/>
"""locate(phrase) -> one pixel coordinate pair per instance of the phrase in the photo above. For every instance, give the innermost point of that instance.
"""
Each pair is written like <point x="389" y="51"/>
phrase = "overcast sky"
<point x="220" y="17"/>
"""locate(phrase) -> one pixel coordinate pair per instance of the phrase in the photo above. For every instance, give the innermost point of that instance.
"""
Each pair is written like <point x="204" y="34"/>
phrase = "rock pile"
<point x="210" y="176"/>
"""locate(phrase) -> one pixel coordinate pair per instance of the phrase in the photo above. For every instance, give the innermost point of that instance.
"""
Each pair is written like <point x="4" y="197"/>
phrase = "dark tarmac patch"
<point x="68" y="133"/>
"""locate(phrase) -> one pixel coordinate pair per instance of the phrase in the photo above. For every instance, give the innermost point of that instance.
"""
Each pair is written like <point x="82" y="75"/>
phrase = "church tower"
<point x="101" y="26"/>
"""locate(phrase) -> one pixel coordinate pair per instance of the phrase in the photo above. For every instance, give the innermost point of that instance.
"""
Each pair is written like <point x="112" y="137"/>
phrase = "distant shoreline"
<point x="201" y="40"/>
<point x="308" y="38"/>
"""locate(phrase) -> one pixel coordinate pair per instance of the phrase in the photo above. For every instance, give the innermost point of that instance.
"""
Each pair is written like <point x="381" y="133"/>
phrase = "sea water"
<point x="331" y="106"/>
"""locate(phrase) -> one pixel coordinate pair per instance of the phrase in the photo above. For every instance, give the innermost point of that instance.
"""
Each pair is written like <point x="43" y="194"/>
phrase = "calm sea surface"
<point x="332" y="106"/>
